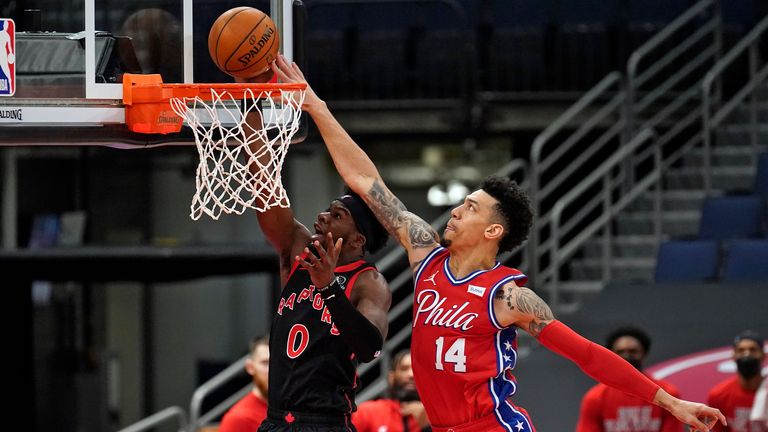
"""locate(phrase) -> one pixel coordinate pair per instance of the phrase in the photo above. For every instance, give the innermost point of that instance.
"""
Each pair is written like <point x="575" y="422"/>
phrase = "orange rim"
<point x="150" y="89"/>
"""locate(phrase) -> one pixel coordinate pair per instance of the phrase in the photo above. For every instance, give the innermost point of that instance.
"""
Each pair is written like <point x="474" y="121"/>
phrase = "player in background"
<point x="736" y="395"/>
<point x="467" y="306"/>
<point x="248" y="413"/>
<point x="402" y="411"/>
<point x="606" y="409"/>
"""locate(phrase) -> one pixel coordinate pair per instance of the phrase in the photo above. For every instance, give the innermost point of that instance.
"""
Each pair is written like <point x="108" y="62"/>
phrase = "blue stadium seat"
<point x="687" y="261"/>
<point x="761" y="177"/>
<point x="746" y="260"/>
<point x="731" y="217"/>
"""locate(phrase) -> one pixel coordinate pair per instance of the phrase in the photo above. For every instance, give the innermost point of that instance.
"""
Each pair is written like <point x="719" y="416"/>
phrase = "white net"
<point x="242" y="143"/>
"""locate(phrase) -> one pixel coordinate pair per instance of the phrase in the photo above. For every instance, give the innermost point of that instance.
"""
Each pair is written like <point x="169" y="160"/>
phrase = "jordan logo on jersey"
<point x="431" y="304"/>
<point x="432" y="278"/>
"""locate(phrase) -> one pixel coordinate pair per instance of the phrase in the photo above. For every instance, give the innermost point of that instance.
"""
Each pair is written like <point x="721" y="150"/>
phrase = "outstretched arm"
<point x="286" y="235"/>
<point x="521" y="307"/>
<point x="360" y="174"/>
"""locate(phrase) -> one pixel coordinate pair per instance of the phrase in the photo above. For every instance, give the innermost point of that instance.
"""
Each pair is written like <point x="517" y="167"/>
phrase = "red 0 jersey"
<point x="462" y="357"/>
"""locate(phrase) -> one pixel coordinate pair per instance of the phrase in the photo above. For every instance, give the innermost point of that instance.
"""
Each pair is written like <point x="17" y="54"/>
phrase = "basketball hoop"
<point x="240" y="162"/>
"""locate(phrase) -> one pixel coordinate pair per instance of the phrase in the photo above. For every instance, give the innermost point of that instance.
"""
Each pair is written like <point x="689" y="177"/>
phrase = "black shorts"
<point x="285" y="421"/>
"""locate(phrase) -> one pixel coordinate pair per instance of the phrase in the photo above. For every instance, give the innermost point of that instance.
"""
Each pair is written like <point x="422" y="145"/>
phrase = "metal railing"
<point x="555" y="163"/>
<point x="197" y="418"/>
<point x="749" y="44"/>
<point x="661" y="94"/>
<point x="161" y="417"/>
<point x="656" y="96"/>
<point x="602" y="184"/>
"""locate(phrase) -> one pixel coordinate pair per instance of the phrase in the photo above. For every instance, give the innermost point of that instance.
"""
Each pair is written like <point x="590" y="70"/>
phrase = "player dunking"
<point x="332" y="312"/>
<point x="466" y="317"/>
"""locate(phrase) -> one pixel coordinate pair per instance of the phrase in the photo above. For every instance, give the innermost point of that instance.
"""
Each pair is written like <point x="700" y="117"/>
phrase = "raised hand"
<point x="290" y="73"/>
<point x="321" y="262"/>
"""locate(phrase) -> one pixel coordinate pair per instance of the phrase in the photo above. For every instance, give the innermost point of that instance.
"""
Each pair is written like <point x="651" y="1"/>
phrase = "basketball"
<point x="243" y="42"/>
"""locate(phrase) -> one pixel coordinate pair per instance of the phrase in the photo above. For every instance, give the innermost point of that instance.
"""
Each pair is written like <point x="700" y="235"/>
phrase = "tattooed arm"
<point x="521" y="307"/>
<point x="360" y="174"/>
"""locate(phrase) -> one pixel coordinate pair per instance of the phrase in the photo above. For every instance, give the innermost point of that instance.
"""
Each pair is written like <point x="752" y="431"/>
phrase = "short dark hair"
<point x="630" y="331"/>
<point x="749" y="335"/>
<point x="366" y="222"/>
<point x="514" y="208"/>
<point x="398" y="357"/>
<point x="256" y="342"/>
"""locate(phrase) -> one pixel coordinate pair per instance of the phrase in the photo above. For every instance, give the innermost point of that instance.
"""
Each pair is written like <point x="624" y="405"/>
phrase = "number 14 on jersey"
<point x="454" y="354"/>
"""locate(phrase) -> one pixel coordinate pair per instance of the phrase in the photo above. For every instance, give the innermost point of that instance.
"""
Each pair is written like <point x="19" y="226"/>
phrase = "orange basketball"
<point x="243" y="42"/>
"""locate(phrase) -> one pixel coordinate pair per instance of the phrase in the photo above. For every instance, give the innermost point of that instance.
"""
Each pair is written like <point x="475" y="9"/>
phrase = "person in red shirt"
<point x="606" y="409"/>
<point x="735" y="396"/>
<point x="247" y="414"/>
<point x="402" y="411"/>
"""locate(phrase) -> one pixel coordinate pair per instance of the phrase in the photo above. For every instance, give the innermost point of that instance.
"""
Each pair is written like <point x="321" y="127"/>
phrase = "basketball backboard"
<point x="70" y="57"/>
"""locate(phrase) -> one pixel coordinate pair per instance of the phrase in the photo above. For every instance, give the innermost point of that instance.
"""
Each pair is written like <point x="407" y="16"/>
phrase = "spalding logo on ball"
<point x="243" y="42"/>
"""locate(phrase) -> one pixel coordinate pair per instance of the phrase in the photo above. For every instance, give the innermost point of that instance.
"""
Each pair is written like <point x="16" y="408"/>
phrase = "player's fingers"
<point x="311" y="257"/>
<point x="304" y="263"/>
<point x="297" y="71"/>
<point x="284" y="66"/>
<point x="331" y="246"/>
<point x="322" y="254"/>
<point x="337" y="246"/>
<point x="716" y="415"/>
<point x="698" y="425"/>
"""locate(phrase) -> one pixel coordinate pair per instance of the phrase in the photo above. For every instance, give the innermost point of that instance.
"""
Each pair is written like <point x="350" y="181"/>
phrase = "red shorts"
<point x="491" y="423"/>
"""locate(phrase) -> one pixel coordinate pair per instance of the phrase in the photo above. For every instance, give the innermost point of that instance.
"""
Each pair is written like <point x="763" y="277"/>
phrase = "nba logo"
<point x="7" y="57"/>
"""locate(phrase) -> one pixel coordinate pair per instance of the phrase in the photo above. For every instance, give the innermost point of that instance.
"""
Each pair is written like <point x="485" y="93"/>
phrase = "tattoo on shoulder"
<point x="394" y="216"/>
<point x="531" y="304"/>
<point x="506" y="293"/>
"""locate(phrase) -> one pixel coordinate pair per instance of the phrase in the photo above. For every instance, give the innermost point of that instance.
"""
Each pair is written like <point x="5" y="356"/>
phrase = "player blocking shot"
<point x="468" y="307"/>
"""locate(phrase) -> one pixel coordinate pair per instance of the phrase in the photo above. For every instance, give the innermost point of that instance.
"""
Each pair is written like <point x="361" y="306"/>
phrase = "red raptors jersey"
<point x="462" y="357"/>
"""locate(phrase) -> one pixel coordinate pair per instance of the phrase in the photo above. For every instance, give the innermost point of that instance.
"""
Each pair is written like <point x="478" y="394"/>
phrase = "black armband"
<point x="361" y="335"/>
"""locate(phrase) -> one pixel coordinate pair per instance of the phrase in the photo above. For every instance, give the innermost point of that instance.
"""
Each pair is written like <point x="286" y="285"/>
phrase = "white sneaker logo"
<point x="432" y="278"/>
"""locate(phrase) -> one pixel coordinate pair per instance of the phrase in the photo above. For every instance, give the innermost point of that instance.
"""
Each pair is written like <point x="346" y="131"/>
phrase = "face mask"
<point x="748" y="366"/>
<point x="636" y="363"/>
<point x="406" y="395"/>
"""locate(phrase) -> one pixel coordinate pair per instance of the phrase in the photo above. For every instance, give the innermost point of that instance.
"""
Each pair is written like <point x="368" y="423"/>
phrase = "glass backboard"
<point x="70" y="57"/>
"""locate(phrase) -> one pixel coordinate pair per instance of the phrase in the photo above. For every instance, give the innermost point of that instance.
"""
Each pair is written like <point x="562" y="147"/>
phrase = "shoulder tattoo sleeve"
<point x="536" y="312"/>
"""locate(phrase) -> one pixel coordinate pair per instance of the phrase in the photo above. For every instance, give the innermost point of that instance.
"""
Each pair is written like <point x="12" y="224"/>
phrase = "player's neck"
<point x="465" y="262"/>
<point x="258" y="393"/>
<point x="349" y="257"/>
<point x="751" y="384"/>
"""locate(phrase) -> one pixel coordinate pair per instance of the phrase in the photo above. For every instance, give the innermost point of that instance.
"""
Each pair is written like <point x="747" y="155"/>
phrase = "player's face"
<point x="470" y="220"/>
<point x="336" y="219"/>
<point x="630" y="350"/>
<point x="259" y="367"/>
<point x="403" y="374"/>
<point x="748" y="348"/>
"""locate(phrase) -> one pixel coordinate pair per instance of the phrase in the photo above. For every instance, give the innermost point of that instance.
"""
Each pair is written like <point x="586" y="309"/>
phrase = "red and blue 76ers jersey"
<point x="462" y="357"/>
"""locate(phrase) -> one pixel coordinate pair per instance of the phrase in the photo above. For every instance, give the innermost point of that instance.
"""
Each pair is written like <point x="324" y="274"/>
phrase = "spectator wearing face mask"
<point x="402" y="411"/>
<point x="606" y="409"/>
<point x="736" y="395"/>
